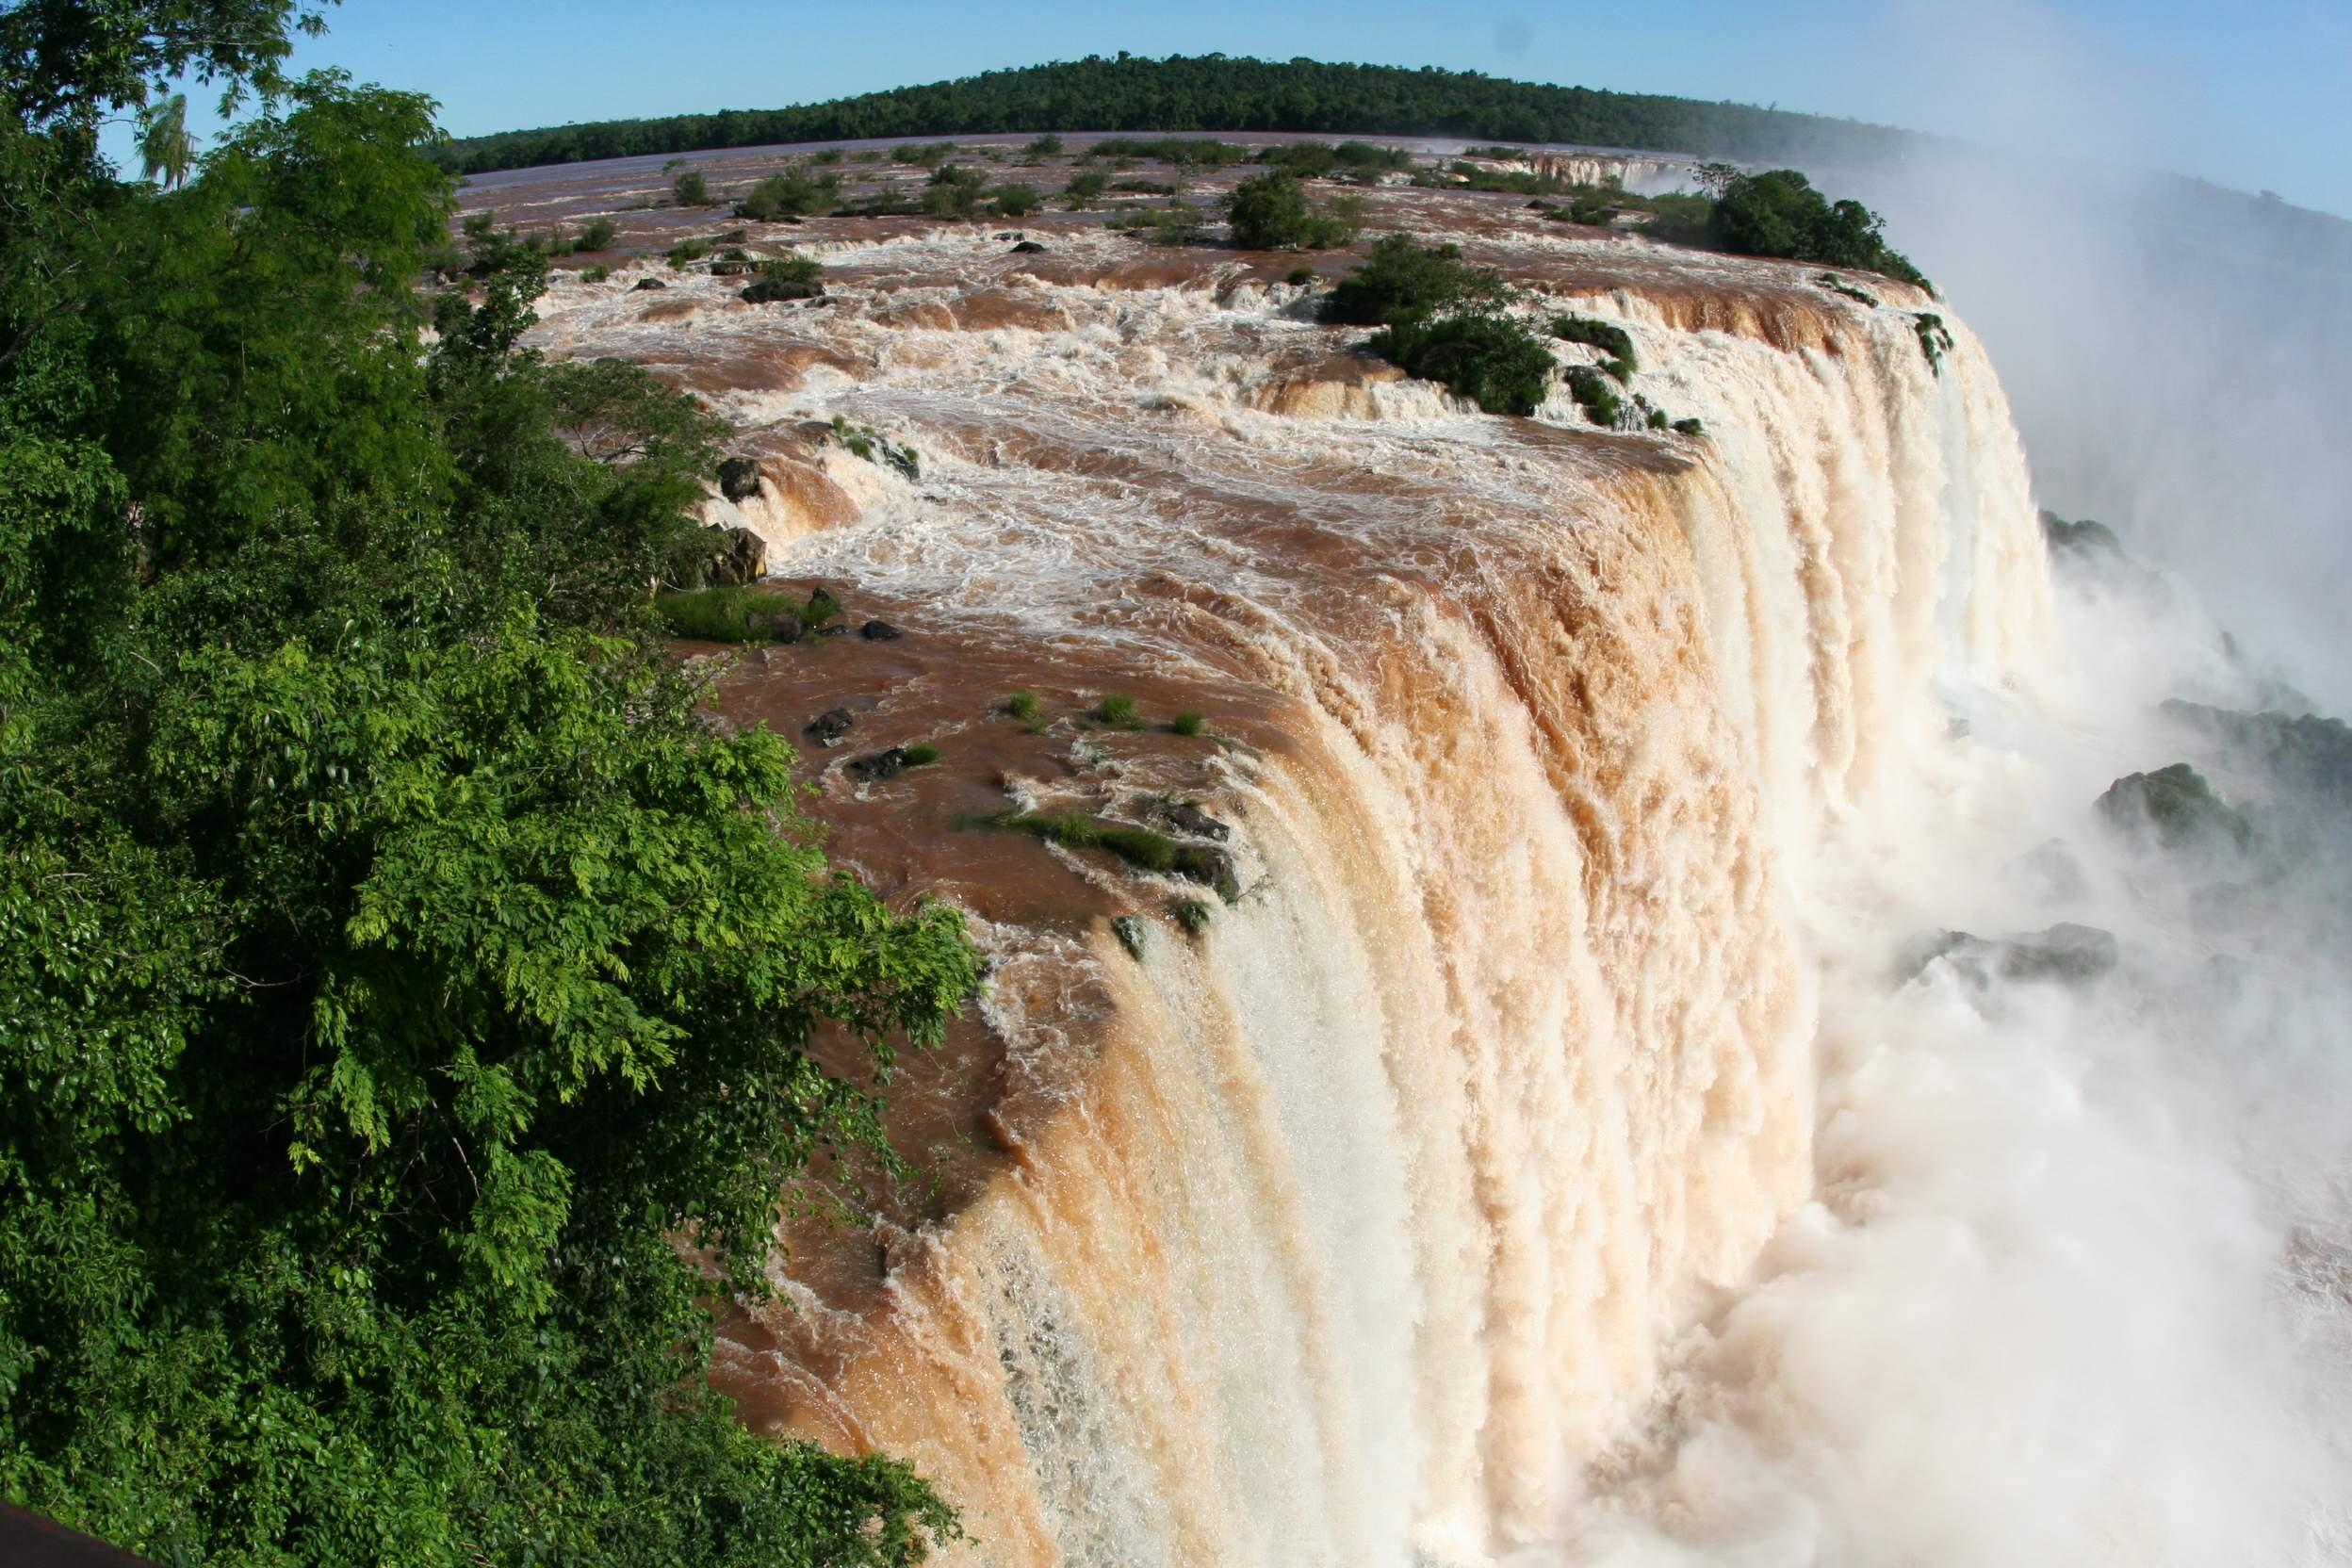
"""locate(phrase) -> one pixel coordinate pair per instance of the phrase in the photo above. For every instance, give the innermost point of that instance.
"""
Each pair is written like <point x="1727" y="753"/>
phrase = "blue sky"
<point x="2252" y="94"/>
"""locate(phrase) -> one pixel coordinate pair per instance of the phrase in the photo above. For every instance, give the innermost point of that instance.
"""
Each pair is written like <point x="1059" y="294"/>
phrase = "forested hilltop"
<point x="1209" y="92"/>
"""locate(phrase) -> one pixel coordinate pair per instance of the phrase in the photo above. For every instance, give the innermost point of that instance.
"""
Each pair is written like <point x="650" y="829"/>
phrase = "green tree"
<point x="166" y="150"/>
<point x="1270" y="212"/>
<point x="399" y="967"/>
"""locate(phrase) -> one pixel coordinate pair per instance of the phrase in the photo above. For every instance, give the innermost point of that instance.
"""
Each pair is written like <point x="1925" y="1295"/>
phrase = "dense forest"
<point x="1210" y="92"/>
<point x="398" y="970"/>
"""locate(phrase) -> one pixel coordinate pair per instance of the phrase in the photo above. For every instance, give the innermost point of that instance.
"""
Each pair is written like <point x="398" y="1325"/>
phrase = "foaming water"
<point x="1543" y="1160"/>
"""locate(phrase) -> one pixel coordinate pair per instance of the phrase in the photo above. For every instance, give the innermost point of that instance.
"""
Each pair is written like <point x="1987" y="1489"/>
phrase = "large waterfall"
<point x="1541" y="1157"/>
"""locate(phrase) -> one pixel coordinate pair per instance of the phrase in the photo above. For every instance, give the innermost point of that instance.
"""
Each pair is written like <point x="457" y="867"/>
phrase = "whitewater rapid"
<point x="1541" y="1161"/>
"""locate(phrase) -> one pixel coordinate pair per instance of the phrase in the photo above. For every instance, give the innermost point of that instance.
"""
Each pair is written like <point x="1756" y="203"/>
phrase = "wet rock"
<point x="882" y="764"/>
<point x="830" y="726"/>
<point x="1008" y="234"/>
<point x="2304" y="754"/>
<point x="651" y="282"/>
<point x="739" y="479"/>
<point x="832" y="631"/>
<point x="1028" y="248"/>
<point x="2175" y="807"/>
<point x="1215" y="867"/>
<point x="1187" y="818"/>
<point x="2066" y="954"/>
<point x="730" y="269"/>
<point x="741" y="558"/>
<point x="880" y="631"/>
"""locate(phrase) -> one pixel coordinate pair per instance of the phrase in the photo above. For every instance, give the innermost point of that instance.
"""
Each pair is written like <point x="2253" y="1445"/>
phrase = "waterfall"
<point x="1456" y="1196"/>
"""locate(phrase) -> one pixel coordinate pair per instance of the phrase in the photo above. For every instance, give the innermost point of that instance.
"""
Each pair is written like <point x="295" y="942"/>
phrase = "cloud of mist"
<point x="2075" y="1285"/>
<point x="2179" y="356"/>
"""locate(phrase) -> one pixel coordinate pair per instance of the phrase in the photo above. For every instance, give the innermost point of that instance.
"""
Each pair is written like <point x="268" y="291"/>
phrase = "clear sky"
<point x="2256" y="94"/>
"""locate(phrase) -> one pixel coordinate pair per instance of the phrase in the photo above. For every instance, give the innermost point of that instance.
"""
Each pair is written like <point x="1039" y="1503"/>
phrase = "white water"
<point x="1540" y="1164"/>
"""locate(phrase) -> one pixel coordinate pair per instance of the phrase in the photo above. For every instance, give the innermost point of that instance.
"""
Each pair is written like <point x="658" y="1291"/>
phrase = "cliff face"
<point x="1351" y="1226"/>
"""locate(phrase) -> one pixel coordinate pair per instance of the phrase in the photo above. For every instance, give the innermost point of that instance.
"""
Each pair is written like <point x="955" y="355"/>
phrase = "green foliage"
<point x="1138" y="846"/>
<point x="788" y="195"/>
<point x="1083" y="188"/>
<point x="1022" y="706"/>
<point x="1837" y="285"/>
<point x="1300" y="277"/>
<point x="399" y="964"/>
<point x="1129" y="929"/>
<point x="1609" y="338"/>
<point x="1015" y="201"/>
<point x="595" y="275"/>
<point x="1490" y="359"/>
<point x="1176" y="224"/>
<point x="1046" y="146"/>
<point x="1779" y="213"/>
<point x="931" y="156"/>
<point x="791" y="276"/>
<point x="1189" y="723"/>
<point x="729" y="615"/>
<point x="1119" y="712"/>
<point x="596" y="235"/>
<point x="1193" y="915"/>
<point x="1401" y="280"/>
<point x="1270" y="212"/>
<point x="952" y="191"/>
<point x="1183" y="151"/>
<point x="1935" y="338"/>
<point x="866" y="442"/>
<point x="1692" y="426"/>
<point x="922" y="756"/>
<point x="1595" y="396"/>
<point x="686" y="253"/>
<point x="691" y="189"/>
<point x="1217" y="92"/>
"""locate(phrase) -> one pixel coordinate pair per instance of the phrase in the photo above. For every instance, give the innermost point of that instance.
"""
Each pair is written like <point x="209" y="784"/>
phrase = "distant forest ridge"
<point x="1213" y="92"/>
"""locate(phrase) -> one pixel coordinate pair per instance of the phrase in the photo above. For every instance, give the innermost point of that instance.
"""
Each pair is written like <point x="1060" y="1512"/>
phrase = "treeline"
<point x="1208" y="92"/>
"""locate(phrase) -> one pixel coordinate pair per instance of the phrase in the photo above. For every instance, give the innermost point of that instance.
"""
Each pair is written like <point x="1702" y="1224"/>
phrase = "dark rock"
<point x="741" y="558"/>
<point x="2087" y="540"/>
<point x="1008" y="234"/>
<point x="879" y="632"/>
<point x="830" y="726"/>
<point x="2177" y="808"/>
<point x="2067" y="953"/>
<point x="735" y="237"/>
<point x="731" y="269"/>
<point x="882" y="764"/>
<point x="739" y="479"/>
<point x="832" y="631"/>
<point x="1028" y="248"/>
<point x="651" y="282"/>
<point x="1215" y="867"/>
<point x="1537" y="206"/>
<point x="1187" y="818"/>
<point x="2303" y="754"/>
<point x="768" y="290"/>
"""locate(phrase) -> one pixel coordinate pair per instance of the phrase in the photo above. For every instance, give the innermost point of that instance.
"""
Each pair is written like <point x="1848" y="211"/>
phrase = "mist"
<point x="2075" y="1285"/>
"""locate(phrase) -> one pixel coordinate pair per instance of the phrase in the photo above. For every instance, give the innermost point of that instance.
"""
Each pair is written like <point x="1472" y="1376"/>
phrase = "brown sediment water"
<point x="1350" y="1227"/>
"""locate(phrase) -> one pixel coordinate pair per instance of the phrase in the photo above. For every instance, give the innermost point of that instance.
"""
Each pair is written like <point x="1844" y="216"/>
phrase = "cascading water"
<point x="1461" y="1191"/>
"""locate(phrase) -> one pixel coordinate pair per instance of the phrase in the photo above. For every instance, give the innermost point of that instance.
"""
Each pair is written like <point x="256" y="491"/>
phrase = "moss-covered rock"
<point x="2177" y="809"/>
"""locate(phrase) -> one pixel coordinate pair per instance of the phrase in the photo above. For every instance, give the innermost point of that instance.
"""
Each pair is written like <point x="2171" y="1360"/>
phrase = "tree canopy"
<point x="401" y="970"/>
